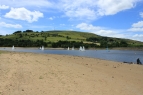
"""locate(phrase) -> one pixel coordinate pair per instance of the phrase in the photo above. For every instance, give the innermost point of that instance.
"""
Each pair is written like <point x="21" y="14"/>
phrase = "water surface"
<point x="114" y="55"/>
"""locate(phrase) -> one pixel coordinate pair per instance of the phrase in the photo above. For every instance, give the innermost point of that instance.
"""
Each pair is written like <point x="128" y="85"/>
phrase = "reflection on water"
<point x="114" y="55"/>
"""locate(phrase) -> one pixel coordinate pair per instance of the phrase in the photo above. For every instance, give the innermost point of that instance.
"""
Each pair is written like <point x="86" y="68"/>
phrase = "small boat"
<point x="42" y="48"/>
<point x="72" y="48"/>
<point x="13" y="47"/>
<point x="68" y="48"/>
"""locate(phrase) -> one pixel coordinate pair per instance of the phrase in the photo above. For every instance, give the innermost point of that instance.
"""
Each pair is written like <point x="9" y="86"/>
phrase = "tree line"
<point x="61" y="44"/>
<point x="38" y="43"/>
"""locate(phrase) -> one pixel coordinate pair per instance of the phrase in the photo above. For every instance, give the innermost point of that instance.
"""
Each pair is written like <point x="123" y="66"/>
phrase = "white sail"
<point x="72" y="48"/>
<point x="107" y="49"/>
<point x="68" y="48"/>
<point x="80" y="48"/>
<point x="13" y="47"/>
<point x="83" y="49"/>
<point x="42" y="48"/>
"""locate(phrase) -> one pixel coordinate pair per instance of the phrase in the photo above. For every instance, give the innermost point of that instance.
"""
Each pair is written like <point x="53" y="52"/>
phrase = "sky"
<point x="111" y="18"/>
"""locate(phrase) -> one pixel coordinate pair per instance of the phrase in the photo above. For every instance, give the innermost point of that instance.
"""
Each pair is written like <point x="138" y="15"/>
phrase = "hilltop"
<point x="59" y="38"/>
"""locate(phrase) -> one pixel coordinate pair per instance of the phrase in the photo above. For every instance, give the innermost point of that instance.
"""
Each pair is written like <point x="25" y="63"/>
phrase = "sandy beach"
<point x="49" y="74"/>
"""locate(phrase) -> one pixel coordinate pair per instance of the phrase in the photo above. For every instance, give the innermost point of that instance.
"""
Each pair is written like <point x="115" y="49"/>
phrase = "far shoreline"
<point x="114" y="48"/>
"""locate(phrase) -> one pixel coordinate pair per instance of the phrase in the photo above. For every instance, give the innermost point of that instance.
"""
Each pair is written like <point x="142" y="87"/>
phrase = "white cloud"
<point x="79" y="9"/>
<point x="62" y="24"/>
<point x="4" y="7"/>
<point x="99" y="30"/>
<point x="92" y="9"/>
<point x="4" y="31"/>
<point x="141" y="14"/>
<point x="81" y="13"/>
<point x="88" y="10"/>
<point x="137" y="27"/>
<point x="138" y="24"/>
<point x="111" y="7"/>
<point x="51" y="18"/>
<point x="138" y="37"/>
<point x="26" y="3"/>
<point x="88" y="27"/>
<point x="24" y="14"/>
<point x="110" y="33"/>
<point x="3" y="24"/>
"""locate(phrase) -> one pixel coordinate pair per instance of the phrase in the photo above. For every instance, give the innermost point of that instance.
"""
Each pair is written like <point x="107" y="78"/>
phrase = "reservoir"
<point x="113" y="55"/>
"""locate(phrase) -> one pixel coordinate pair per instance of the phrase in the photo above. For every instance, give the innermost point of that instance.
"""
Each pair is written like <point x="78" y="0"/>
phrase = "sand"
<point x="47" y="74"/>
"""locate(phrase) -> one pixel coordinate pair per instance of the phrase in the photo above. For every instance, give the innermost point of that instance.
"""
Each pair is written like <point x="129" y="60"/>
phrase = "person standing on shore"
<point x="138" y="61"/>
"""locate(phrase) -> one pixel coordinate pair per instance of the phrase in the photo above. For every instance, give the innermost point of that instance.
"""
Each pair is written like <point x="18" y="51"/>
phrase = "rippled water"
<point x="114" y="55"/>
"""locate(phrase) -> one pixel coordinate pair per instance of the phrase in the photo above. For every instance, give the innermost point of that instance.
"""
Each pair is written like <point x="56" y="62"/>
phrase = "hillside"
<point x="49" y="37"/>
<point x="52" y="36"/>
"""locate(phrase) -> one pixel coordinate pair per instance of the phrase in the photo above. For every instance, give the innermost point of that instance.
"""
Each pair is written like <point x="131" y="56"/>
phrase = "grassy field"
<point x="3" y="52"/>
<point x="62" y="35"/>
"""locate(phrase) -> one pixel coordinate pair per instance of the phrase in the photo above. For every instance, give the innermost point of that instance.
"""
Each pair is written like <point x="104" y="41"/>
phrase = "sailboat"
<point x="83" y="49"/>
<point x="42" y="48"/>
<point x="72" y="48"/>
<point x="68" y="48"/>
<point x="80" y="48"/>
<point x="13" y="47"/>
<point x="107" y="49"/>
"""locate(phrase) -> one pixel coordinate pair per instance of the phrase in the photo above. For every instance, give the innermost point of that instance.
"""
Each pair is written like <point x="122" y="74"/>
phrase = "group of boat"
<point x="42" y="48"/>
<point x="80" y="48"/>
<point x="13" y="47"/>
<point x="71" y="49"/>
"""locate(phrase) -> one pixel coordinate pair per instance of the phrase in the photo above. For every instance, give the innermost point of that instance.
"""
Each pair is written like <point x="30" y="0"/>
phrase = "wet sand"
<point x="48" y="74"/>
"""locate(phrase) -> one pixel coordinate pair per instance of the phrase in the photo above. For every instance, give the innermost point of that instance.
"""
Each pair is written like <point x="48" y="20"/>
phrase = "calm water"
<point x="114" y="55"/>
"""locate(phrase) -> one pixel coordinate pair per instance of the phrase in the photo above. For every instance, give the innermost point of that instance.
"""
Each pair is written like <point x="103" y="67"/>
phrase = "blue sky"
<point x="112" y="18"/>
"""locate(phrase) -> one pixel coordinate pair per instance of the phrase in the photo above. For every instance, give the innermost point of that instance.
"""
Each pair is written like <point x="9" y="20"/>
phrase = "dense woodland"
<point x="63" y="39"/>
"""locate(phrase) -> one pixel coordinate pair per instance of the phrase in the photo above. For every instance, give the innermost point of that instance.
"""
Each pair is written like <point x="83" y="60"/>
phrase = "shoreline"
<point x="35" y="50"/>
<point x="114" y="48"/>
<point x="50" y="74"/>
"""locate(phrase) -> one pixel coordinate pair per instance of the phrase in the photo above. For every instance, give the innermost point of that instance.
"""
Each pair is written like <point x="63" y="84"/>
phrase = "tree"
<point x="68" y="37"/>
<point x="20" y="35"/>
<point x="45" y="38"/>
<point x="17" y="32"/>
<point x="92" y="39"/>
<point x="123" y="43"/>
<point x="103" y="43"/>
<point x="28" y="31"/>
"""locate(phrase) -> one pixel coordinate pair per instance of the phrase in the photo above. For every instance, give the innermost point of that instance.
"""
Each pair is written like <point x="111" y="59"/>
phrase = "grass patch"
<point x="40" y="77"/>
<point x="3" y="52"/>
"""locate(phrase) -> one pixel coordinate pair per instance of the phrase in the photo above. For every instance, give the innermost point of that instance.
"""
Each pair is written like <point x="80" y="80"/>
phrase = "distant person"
<point x="138" y="61"/>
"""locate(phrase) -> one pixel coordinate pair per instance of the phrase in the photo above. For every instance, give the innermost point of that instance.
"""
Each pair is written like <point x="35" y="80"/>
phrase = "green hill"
<point x="52" y="36"/>
<point x="48" y="38"/>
